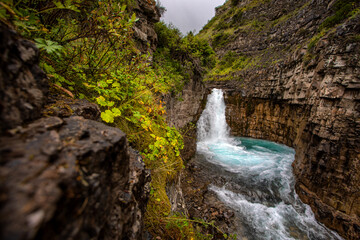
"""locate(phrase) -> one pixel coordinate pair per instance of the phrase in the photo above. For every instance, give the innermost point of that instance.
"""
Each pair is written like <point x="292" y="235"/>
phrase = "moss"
<point x="286" y="17"/>
<point x="355" y="38"/>
<point x="343" y="10"/>
<point x="258" y="25"/>
<point x="221" y="39"/>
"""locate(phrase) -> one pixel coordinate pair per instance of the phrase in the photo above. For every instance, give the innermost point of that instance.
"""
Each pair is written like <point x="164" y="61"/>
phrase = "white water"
<point x="262" y="193"/>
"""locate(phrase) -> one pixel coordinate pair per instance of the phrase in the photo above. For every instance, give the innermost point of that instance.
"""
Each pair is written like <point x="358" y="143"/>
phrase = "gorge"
<point x="289" y="72"/>
<point x="259" y="182"/>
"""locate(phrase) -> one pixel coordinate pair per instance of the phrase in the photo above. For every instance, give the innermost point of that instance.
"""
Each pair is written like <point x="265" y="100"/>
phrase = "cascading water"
<point x="262" y="184"/>
<point x="212" y="123"/>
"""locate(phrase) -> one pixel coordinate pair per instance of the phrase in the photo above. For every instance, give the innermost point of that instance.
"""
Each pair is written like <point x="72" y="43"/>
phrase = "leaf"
<point x="101" y="101"/>
<point x="116" y="84"/>
<point x="107" y="116"/>
<point x="116" y="111"/>
<point x="48" y="45"/>
<point x="103" y="84"/>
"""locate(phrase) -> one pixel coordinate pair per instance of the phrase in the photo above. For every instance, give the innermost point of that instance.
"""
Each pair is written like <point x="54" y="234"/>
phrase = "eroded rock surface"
<point x="144" y="31"/>
<point x="202" y="203"/>
<point x="183" y="112"/>
<point x="23" y="85"/>
<point x="71" y="178"/>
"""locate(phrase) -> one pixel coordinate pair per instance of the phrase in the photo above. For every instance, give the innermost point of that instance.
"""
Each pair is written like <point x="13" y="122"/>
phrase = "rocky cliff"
<point x="294" y="78"/>
<point x="144" y="31"/>
<point x="184" y="110"/>
<point x="64" y="176"/>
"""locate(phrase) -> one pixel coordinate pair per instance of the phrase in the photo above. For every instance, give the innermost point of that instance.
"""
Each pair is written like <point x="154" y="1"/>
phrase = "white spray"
<point x="212" y="126"/>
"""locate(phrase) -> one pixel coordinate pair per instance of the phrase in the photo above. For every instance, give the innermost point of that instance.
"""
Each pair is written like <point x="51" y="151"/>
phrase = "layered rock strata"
<point x="184" y="110"/>
<point x="313" y="107"/>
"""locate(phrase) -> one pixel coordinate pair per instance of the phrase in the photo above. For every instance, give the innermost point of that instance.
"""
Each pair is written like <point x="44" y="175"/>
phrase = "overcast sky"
<point x="189" y="15"/>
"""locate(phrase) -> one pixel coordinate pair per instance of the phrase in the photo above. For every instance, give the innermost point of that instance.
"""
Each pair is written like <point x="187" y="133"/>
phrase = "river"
<point x="261" y="189"/>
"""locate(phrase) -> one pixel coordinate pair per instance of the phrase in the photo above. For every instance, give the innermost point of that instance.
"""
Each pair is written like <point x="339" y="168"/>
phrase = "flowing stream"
<point x="261" y="190"/>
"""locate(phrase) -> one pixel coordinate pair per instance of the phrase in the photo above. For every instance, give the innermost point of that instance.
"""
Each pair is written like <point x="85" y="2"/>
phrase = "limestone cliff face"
<point x="183" y="112"/>
<point x="307" y="99"/>
<point x="65" y="176"/>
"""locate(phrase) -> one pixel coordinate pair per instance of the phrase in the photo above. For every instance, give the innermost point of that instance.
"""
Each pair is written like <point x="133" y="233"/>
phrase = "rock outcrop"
<point x="71" y="178"/>
<point x="183" y="112"/>
<point x="23" y="86"/>
<point x="62" y="176"/>
<point x="308" y="98"/>
<point x="144" y="31"/>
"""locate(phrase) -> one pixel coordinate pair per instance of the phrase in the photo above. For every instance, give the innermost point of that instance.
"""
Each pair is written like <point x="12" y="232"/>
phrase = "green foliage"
<point x="343" y="10"/>
<point x="48" y="45"/>
<point x="237" y="18"/>
<point x="221" y="39"/>
<point x="314" y="40"/>
<point x="181" y="56"/>
<point x="234" y="2"/>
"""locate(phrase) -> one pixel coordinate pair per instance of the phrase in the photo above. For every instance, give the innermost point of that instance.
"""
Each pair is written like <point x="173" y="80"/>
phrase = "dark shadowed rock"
<point x="71" y="178"/>
<point x="23" y="85"/>
<point x="65" y="107"/>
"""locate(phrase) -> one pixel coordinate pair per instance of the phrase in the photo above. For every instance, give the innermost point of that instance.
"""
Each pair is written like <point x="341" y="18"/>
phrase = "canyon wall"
<point x="307" y="97"/>
<point x="184" y="110"/>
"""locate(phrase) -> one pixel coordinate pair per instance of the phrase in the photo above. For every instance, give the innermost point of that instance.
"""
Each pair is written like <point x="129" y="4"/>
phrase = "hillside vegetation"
<point x="252" y="35"/>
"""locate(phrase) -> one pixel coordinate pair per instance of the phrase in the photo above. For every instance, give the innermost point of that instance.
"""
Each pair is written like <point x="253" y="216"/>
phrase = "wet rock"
<point x="201" y="203"/>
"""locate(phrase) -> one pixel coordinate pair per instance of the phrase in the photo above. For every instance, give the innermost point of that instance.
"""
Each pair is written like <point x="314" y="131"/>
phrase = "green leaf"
<point x="107" y="116"/>
<point x="116" y="84"/>
<point x="101" y="101"/>
<point x="103" y="84"/>
<point x="47" y="45"/>
<point x="116" y="111"/>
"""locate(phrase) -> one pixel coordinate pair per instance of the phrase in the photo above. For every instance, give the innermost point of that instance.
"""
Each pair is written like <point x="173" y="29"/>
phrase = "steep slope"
<point x="291" y="73"/>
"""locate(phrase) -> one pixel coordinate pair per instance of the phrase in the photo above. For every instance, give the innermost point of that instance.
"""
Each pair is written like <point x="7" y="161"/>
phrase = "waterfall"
<point x="212" y="126"/>
<point x="259" y="184"/>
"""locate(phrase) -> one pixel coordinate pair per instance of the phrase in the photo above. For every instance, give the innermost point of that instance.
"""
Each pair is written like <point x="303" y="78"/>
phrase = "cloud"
<point x="189" y="15"/>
